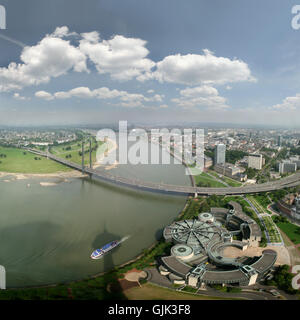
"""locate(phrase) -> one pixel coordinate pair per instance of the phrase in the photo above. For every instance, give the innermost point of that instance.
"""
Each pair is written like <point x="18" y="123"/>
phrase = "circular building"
<point x="197" y="255"/>
<point x="206" y="217"/>
<point x="182" y="251"/>
<point x="194" y="233"/>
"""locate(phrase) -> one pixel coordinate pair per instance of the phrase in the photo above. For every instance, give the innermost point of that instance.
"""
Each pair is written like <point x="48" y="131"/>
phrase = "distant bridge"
<point x="291" y="181"/>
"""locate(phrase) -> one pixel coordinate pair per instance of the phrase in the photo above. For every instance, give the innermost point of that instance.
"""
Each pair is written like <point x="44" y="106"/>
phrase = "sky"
<point x="149" y="61"/>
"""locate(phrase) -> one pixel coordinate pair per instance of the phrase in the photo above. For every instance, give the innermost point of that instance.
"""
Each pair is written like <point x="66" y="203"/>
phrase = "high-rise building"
<point x="279" y="141"/>
<point x="255" y="161"/>
<point x="287" y="166"/>
<point x="220" y="153"/>
<point x="297" y="203"/>
<point x="296" y="159"/>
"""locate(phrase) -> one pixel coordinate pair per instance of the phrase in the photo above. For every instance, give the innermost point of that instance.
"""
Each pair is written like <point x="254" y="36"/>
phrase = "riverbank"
<point x="24" y="176"/>
<point x="20" y="161"/>
<point x="63" y="172"/>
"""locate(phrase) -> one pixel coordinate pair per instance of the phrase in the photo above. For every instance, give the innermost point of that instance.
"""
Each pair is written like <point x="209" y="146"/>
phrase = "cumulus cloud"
<point x="202" y="96"/>
<point x="196" y="91"/>
<point x="62" y="32"/>
<point x="196" y="69"/>
<point x="50" y="58"/>
<point x="123" y="58"/>
<point x="44" y="95"/>
<point x="120" y="57"/>
<point x="289" y="103"/>
<point x="126" y="99"/>
<point x="17" y="96"/>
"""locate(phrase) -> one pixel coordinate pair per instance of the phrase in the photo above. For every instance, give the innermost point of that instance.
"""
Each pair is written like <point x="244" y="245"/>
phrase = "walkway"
<point x="261" y="218"/>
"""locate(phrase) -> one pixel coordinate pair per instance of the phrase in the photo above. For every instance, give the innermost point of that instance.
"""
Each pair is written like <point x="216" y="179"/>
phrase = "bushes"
<point x="226" y="289"/>
<point x="142" y="281"/>
<point x="189" y="289"/>
<point x="283" y="280"/>
<point x="278" y="219"/>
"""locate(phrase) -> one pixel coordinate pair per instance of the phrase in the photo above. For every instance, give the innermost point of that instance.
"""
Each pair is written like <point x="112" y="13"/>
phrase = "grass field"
<point x="291" y="230"/>
<point x="274" y="234"/>
<point x="229" y="181"/>
<point x="152" y="292"/>
<point x="205" y="180"/>
<point x="263" y="201"/>
<point x="73" y="149"/>
<point x="257" y="205"/>
<point x="19" y="161"/>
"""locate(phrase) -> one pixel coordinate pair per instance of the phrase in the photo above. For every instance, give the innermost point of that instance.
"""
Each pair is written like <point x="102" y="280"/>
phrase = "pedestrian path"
<point x="272" y="232"/>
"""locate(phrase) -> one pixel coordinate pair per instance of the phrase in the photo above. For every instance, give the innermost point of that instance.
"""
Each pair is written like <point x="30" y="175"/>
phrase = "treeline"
<point x="209" y="153"/>
<point x="251" y="172"/>
<point x="295" y="151"/>
<point x="232" y="156"/>
<point x="283" y="280"/>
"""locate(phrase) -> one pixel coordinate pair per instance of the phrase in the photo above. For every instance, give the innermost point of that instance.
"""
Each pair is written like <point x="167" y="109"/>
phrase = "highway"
<point x="291" y="181"/>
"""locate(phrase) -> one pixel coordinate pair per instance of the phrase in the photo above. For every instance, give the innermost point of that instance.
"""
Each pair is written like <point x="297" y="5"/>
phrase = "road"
<point x="290" y="181"/>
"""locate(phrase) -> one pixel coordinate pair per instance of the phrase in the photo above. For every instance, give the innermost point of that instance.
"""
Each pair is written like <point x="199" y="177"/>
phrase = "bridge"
<point x="291" y="181"/>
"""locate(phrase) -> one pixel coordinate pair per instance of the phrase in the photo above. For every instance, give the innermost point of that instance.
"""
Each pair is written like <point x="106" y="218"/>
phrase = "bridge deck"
<point x="290" y="181"/>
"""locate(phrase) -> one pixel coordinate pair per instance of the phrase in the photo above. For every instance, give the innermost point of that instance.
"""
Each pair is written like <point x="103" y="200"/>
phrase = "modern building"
<point x="296" y="209"/>
<point x="208" y="162"/>
<point x="255" y="161"/>
<point x="296" y="159"/>
<point x="290" y="206"/>
<point x="231" y="171"/>
<point x="198" y="258"/>
<point x="279" y="141"/>
<point x="220" y="153"/>
<point x="287" y="166"/>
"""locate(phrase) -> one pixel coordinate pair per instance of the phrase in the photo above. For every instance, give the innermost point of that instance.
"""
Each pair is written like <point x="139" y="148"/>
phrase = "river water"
<point x="47" y="233"/>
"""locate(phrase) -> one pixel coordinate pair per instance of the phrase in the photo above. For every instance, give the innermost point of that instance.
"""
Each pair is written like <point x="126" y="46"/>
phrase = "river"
<point x="47" y="233"/>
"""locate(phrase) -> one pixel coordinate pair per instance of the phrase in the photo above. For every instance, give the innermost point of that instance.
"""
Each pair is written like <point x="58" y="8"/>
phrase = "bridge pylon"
<point x="91" y="163"/>
<point x="82" y="157"/>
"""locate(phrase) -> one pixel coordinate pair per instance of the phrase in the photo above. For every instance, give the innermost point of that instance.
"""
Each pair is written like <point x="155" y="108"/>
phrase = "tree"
<point x="251" y="172"/>
<point x="232" y="156"/>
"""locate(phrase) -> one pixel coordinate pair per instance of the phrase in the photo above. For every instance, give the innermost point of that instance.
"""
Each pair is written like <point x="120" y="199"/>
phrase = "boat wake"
<point x="124" y="239"/>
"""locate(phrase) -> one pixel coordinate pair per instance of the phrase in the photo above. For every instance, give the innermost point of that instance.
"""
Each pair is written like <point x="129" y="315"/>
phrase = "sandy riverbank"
<point x="24" y="176"/>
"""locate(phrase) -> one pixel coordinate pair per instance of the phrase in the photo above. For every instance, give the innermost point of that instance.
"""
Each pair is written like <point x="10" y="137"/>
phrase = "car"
<point x="274" y="293"/>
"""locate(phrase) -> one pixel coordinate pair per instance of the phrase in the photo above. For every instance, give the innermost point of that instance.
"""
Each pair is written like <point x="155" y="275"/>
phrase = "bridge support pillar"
<point x="91" y="164"/>
<point x="196" y="195"/>
<point x="82" y="157"/>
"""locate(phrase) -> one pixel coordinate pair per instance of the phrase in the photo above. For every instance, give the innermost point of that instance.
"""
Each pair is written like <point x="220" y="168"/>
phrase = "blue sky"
<point x="149" y="61"/>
